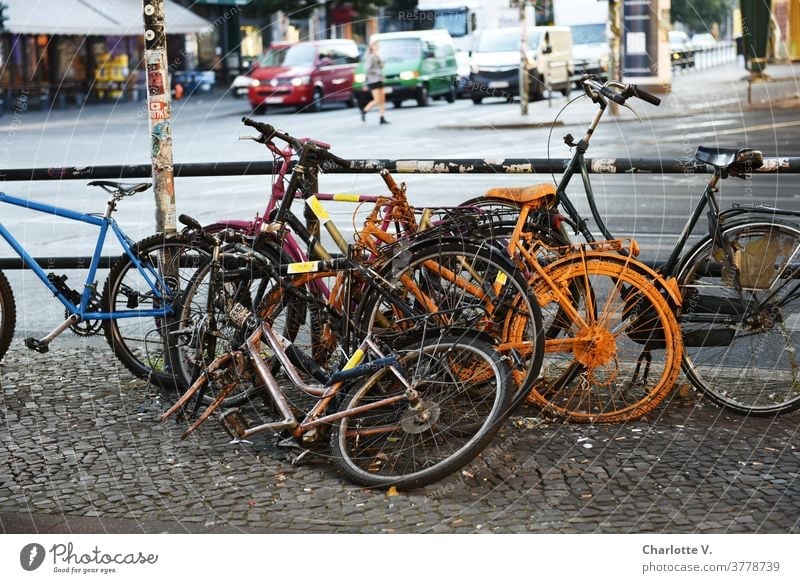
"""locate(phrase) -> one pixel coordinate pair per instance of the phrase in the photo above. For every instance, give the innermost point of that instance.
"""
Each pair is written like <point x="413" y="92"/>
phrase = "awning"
<point x="129" y="14"/>
<point x="94" y="17"/>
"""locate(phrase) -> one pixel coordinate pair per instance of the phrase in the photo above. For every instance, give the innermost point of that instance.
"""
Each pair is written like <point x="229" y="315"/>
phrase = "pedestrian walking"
<point x="373" y="68"/>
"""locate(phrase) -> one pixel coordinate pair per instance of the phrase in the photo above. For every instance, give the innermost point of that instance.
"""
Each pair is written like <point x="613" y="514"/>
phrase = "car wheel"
<point x="450" y="96"/>
<point x="398" y="103"/>
<point x="477" y="99"/>
<point x="423" y="97"/>
<point x="316" y="101"/>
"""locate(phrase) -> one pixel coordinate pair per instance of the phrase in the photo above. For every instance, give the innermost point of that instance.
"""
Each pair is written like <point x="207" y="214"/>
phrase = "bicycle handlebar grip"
<point x="644" y="95"/>
<point x="264" y="128"/>
<point x="190" y="222"/>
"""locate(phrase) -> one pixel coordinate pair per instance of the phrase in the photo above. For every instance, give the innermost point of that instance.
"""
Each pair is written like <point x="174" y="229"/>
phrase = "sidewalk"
<point x="83" y="452"/>
<point x="695" y="92"/>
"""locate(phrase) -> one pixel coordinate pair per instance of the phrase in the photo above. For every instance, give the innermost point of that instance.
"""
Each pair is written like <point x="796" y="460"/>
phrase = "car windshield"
<point x="584" y="34"/>
<point x="399" y="49"/>
<point x="299" y="55"/>
<point x="504" y="40"/>
<point x="273" y="57"/>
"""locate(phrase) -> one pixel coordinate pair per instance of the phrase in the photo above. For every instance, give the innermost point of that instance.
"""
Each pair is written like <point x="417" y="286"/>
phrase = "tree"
<point x="699" y="16"/>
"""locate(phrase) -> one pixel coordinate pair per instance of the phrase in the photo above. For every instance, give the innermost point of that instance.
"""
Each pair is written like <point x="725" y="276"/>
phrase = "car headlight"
<point x="408" y="75"/>
<point x="254" y="82"/>
<point x="473" y="68"/>
<point x="298" y="81"/>
<point x="359" y="78"/>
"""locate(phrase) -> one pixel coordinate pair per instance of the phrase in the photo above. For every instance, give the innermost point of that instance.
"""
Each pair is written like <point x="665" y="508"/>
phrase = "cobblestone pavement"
<point x="81" y="447"/>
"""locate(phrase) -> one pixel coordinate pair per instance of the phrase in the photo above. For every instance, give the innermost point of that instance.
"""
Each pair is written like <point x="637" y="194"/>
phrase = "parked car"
<point x="591" y="53"/>
<point x="417" y="65"/>
<point x="680" y="50"/>
<point x="495" y="62"/>
<point x="703" y="40"/>
<point x="463" y="85"/>
<point x="308" y="75"/>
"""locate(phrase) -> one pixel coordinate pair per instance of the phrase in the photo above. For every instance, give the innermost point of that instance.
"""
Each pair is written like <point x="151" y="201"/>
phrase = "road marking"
<point x="704" y="124"/>
<point x="758" y="128"/>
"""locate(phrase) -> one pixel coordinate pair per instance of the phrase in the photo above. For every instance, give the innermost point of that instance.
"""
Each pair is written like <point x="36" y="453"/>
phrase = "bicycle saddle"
<point x="123" y="188"/>
<point x="537" y="195"/>
<point x="735" y="160"/>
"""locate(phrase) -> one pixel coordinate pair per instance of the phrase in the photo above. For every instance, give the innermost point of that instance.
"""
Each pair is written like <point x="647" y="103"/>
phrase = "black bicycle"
<point x="740" y="284"/>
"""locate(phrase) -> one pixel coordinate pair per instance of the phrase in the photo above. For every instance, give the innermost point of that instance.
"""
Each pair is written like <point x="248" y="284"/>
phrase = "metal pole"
<point x="523" y="59"/>
<point x="614" y="10"/>
<point x="158" y="106"/>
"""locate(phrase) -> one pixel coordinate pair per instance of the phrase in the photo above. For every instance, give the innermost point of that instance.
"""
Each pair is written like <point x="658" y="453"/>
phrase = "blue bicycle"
<point x="135" y="304"/>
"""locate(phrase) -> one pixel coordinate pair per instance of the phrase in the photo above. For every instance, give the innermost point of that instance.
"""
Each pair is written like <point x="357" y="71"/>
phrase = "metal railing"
<point x="693" y="59"/>
<point x="788" y="165"/>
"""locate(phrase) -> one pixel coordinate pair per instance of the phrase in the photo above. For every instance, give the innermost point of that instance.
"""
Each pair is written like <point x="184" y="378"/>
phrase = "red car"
<point x="310" y="74"/>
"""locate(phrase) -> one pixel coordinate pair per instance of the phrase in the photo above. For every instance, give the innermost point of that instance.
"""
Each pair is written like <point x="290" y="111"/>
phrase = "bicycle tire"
<point x="749" y="365"/>
<point x="198" y="339"/>
<point x="8" y="315"/>
<point x="501" y="220"/>
<point x="141" y="343"/>
<point x="495" y="282"/>
<point x="411" y="453"/>
<point x="591" y="374"/>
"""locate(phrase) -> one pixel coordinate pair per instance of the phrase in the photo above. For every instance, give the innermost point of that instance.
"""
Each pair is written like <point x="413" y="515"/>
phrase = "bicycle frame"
<point x="103" y="223"/>
<point x="707" y="200"/>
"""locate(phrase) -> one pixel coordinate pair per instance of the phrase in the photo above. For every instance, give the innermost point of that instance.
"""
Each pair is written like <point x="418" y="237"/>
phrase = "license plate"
<point x="498" y="84"/>
<point x="273" y="100"/>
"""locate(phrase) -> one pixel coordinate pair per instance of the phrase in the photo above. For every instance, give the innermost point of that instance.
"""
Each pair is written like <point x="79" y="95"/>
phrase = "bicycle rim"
<point x="740" y="357"/>
<point x="623" y="362"/>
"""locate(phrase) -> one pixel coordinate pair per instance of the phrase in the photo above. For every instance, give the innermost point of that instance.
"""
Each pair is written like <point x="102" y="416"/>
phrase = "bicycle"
<point x="136" y="299"/>
<point x="432" y="400"/>
<point x="472" y="271"/>
<point x="739" y="283"/>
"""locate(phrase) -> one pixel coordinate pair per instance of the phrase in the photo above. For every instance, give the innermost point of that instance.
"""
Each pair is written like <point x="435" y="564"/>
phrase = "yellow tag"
<point x="317" y="208"/>
<point x="347" y="197"/>
<point x="302" y="267"/>
<point x="501" y="279"/>
<point x="355" y="360"/>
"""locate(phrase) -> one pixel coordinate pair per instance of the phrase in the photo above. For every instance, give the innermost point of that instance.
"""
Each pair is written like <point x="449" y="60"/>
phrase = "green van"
<point x="417" y="65"/>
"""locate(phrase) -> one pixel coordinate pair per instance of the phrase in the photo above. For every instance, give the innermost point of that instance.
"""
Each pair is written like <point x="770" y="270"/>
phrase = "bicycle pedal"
<point x="296" y="459"/>
<point x="291" y="443"/>
<point x="37" y="345"/>
<point x="234" y="423"/>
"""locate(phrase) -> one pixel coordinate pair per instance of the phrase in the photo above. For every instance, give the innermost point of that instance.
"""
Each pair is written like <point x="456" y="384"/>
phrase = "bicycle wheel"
<point x="200" y="336"/>
<point x="462" y="386"/>
<point x="501" y="218"/>
<point x="742" y="347"/>
<point x="463" y="282"/>
<point x="8" y="314"/>
<point x="622" y="360"/>
<point x="141" y="343"/>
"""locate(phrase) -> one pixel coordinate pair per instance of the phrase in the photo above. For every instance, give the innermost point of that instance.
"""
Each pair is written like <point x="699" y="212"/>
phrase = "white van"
<point x="495" y="62"/>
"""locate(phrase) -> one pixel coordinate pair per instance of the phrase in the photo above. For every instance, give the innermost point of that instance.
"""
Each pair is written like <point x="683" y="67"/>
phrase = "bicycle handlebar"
<point x="607" y="89"/>
<point x="268" y="132"/>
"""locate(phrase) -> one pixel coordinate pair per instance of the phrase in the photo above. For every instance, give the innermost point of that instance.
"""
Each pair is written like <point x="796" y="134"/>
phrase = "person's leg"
<point x="371" y="104"/>
<point x="382" y="104"/>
